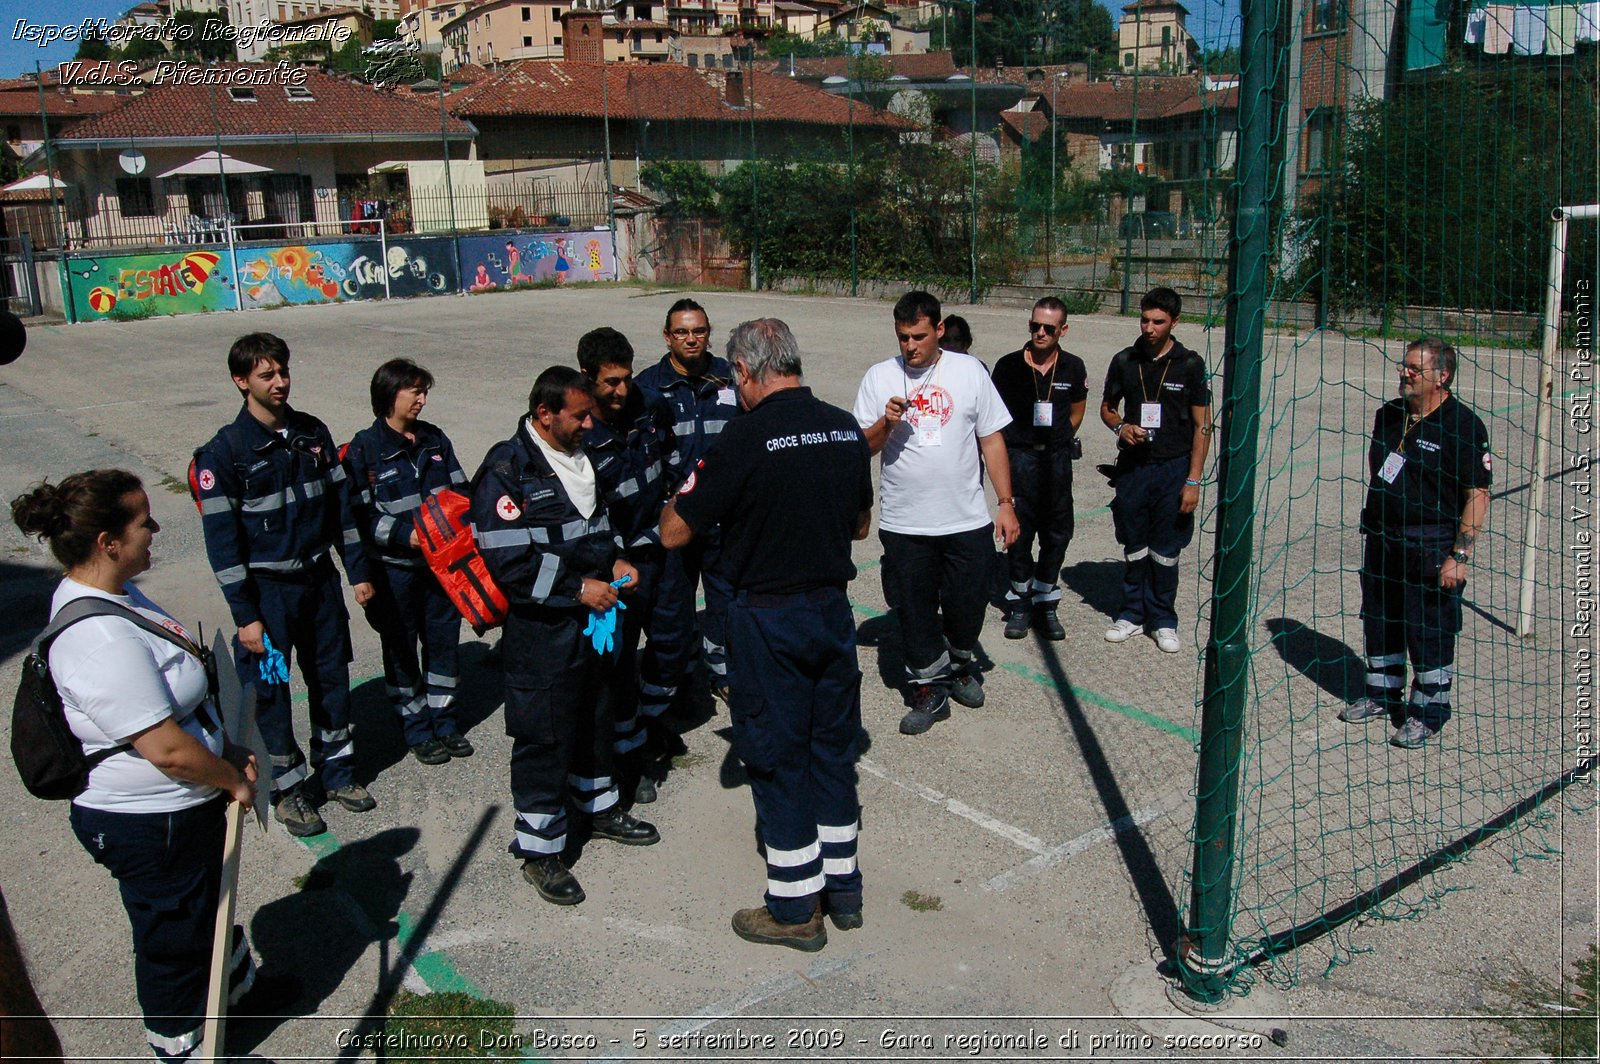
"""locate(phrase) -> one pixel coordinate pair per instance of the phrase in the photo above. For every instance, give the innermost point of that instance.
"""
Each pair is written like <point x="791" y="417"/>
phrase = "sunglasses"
<point x="684" y="334"/>
<point x="1049" y="330"/>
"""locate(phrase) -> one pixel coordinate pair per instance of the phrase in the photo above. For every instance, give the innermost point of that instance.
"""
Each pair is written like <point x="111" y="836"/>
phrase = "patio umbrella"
<point x="214" y="162"/>
<point x="38" y="182"/>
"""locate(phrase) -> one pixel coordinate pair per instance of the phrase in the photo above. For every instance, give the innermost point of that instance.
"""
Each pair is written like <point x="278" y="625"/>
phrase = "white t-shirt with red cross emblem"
<point x="932" y="484"/>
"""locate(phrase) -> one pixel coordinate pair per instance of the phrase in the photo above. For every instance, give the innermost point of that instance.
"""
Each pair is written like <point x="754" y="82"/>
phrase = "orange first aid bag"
<point x="444" y="532"/>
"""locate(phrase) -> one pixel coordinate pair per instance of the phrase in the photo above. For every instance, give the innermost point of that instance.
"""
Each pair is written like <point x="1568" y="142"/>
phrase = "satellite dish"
<point x="132" y="161"/>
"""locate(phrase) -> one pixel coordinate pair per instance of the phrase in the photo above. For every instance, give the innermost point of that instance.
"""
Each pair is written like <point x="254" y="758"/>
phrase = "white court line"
<point x="1067" y="850"/>
<point x="702" y="1018"/>
<point x="72" y="409"/>
<point x="961" y="809"/>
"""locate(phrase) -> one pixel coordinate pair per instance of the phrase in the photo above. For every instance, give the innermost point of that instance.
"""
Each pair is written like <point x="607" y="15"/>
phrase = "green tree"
<point x="686" y="188"/>
<point x="786" y="44"/>
<point x="142" y="48"/>
<point x="1442" y="195"/>
<point x="196" y="35"/>
<point x="93" y="47"/>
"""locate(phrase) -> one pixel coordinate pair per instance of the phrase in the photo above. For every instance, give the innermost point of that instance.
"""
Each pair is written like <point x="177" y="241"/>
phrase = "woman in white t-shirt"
<point x="152" y="812"/>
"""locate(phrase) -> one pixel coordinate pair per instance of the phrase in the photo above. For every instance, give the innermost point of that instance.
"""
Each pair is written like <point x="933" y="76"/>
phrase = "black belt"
<point x="762" y="600"/>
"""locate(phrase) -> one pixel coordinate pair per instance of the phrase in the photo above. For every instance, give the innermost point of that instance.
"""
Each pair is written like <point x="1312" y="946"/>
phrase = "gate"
<point x="19" y="279"/>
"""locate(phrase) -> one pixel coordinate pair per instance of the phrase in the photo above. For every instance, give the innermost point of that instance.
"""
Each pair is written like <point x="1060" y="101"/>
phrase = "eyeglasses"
<point x="684" y="334"/>
<point x="1412" y="371"/>
<point x="1049" y="330"/>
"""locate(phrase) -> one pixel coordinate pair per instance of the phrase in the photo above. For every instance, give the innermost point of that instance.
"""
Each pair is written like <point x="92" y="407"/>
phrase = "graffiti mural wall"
<point x="190" y="280"/>
<point x="515" y="259"/>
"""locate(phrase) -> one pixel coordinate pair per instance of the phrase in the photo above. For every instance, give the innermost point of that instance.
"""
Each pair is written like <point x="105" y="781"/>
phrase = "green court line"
<point x="1082" y="694"/>
<point x="434" y="968"/>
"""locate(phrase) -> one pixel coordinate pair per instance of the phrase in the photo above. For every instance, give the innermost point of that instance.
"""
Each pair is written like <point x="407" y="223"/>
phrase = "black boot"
<point x="1045" y="617"/>
<point x="552" y="880"/>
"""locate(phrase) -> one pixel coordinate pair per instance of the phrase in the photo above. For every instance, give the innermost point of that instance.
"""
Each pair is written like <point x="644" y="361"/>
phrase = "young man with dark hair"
<point x="1163" y="434"/>
<point x="1045" y="389"/>
<point x="628" y="445"/>
<point x="394" y="465"/>
<point x="541" y="525"/>
<point x="698" y="388"/>
<point x="931" y="413"/>
<point x="275" y="502"/>
<point x="1427" y="499"/>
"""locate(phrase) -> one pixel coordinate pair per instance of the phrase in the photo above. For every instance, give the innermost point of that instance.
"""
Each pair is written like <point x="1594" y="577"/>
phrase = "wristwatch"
<point x="1461" y="556"/>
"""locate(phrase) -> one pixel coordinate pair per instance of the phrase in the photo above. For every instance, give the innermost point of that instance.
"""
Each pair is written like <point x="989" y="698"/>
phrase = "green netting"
<point x="1399" y="183"/>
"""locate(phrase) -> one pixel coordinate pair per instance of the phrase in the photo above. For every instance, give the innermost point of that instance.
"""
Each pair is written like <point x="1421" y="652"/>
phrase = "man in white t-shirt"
<point x="930" y="413"/>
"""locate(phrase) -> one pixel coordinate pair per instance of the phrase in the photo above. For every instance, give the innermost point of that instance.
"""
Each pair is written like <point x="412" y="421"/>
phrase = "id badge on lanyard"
<point x="1044" y="415"/>
<point x="1391" y="467"/>
<point x="930" y="431"/>
<point x="1149" y="415"/>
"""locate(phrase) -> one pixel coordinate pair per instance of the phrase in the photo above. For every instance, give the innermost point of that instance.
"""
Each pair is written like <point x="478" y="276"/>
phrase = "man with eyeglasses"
<point x="1045" y="389"/>
<point x="1426" y="502"/>
<point x="931" y="414"/>
<point x="1163" y="434"/>
<point x="698" y="388"/>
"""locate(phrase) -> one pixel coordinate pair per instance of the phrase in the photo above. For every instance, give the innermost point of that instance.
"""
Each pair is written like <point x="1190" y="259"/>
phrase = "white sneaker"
<point x="1166" y="639"/>
<point x="1121" y="631"/>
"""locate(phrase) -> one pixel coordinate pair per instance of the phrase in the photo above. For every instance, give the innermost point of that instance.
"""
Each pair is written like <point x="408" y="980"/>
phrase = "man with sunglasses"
<point x="1163" y="434"/>
<point x="698" y="388"/>
<point x="1426" y="502"/>
<point x="1045" y="389"/>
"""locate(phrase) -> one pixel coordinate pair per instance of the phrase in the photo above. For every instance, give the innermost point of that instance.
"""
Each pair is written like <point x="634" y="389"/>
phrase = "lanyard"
<point x="931" y="378"/>
<point x="1145" y="388"/>
<point x="1048" y="384"/>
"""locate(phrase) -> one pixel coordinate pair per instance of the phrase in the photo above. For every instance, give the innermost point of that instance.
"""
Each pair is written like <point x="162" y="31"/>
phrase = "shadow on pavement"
<point x="1160" y="908"/>
<point x="1322" y="659"/>
<point x="1098" y="584"/>
<point x="479" y="696"/>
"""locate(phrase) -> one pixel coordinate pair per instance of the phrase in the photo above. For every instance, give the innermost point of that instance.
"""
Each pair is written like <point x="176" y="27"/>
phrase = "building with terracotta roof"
<point x="535" y="115"/>
<point x="1154" y="35"/>
<point x="296" y="152"/>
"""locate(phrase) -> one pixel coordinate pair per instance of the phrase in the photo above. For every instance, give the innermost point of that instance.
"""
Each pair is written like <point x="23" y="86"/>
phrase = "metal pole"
<point x="1050" y="221"/>
<point x="1547" y="354"/>
<point x="851" y="134"/>
<point x="605" y="124"/>
<point x="233" y="264"/>
<point x="58" y="203"/>
<point x="1133" y="161"/>
<point x="972" y="143"/>
<point x="383" y="253"/>
<point x="222" y="175"/>
<point x="1203" y="952"/>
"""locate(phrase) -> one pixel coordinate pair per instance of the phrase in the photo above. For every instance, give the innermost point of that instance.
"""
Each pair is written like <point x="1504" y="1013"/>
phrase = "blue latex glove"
<point x="602" y="629"/>
<point x="274" y="669"/>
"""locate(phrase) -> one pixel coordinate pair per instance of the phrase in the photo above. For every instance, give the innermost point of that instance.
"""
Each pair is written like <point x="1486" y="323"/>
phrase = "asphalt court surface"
<point x="1050" y="825"/>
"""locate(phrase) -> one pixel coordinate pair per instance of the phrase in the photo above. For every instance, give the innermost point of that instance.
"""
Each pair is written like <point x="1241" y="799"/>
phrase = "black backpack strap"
<point x="81" y="609"/>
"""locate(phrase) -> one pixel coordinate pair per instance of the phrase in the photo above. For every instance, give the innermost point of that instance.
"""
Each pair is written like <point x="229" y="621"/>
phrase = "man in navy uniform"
<point x="274" y="504"/>
<point x="1045" y="388"/>
<point x="698" y="388"/>
<point x="628" y="446"/>
<point x="1426" y="503"/>
<point x="541" y="525"/>
<point x="1163" y="435"/>
<point x="790" y="483"/>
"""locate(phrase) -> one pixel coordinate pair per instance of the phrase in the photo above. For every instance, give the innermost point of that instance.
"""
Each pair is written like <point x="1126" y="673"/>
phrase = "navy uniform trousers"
<point x="1041" y="484"/>
<point x="168" y="868"/>
<point x="409" y="607"/>
<point x="665" y="663"/>
<point x="1153" y="533"/>
<point x="304" y="616"/>
<point x="1404" y="612"/>
<point x="560" y="720"/>
<point x="624" y="681"/>
<point x="796" y="711"/>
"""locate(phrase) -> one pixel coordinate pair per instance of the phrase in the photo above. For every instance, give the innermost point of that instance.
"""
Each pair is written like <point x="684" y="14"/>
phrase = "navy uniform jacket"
<point x="390" y="476"/>
<point x="537" y="546"/>
<point x="273" y="504"/>
<point x="630" y="462"/>
<point x="701" y="408"/>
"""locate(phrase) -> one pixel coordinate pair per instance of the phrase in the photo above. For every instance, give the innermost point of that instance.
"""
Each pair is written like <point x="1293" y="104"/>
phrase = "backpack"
<point x="49" y="757"/>
<point x="444" y="532"/>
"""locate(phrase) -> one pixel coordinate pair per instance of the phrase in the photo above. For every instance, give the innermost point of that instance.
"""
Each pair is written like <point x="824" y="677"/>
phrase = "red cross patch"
<point x="507" y="509"/>
<point x="207" y="480"/>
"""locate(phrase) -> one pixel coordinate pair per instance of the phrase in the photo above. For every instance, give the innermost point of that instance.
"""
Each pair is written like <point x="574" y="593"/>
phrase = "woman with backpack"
<point x="162" y="773"/>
